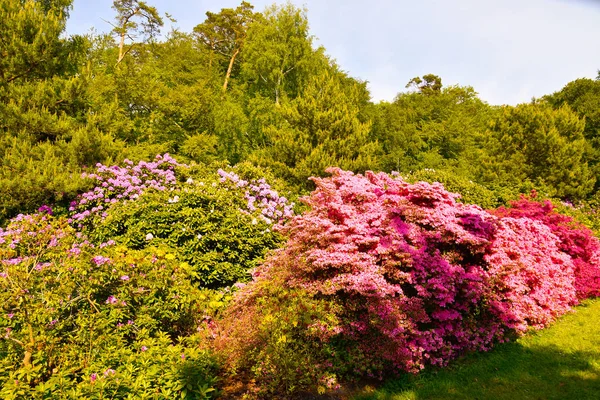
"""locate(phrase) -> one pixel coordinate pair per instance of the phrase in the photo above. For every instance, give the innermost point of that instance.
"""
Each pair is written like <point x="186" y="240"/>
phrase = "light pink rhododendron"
<point x="575" y="240"/>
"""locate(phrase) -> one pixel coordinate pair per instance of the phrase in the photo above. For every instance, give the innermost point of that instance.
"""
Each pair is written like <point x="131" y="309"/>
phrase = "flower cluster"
<point x="261" y="196"/>
<point x="575" y="240"/>
<point x="57" y="290"/>
<point x="117" y="184"/>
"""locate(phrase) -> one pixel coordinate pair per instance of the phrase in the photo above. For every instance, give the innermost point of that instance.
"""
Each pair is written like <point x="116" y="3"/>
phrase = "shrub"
<point x="220" y="223"/>
<point x="400" y="276"/>
<point x="575" y="239"/>
<point x="86" y="321"/>
<point x="470" y="192"/>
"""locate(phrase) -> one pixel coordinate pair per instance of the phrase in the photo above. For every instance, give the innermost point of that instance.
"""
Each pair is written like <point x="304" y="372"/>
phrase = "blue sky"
<point x="508" y="50"/>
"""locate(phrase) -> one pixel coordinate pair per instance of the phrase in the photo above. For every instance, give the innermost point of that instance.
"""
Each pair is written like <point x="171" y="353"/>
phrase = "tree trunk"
<point x="121" y="46"/>
<point x="228" y="74"/>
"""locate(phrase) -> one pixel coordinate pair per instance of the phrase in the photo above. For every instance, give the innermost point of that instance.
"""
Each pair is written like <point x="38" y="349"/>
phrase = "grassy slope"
<point x="561" y="362"/>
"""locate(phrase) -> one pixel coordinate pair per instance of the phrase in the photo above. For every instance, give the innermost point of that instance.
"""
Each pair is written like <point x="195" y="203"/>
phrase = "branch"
<point x="28" y="70"/>
<point x="124" y="54"/>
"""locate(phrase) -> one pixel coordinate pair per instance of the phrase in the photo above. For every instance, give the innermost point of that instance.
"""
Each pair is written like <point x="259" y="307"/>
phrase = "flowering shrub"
<point x="400" y="275"/>
<point x="261" y="196"/>
<point x="118" y="184"/>
<point x="574" y="239"/>
<point x="84" y="321"/>
<point x="220" y="223"/>
<point x="532" y="279"/>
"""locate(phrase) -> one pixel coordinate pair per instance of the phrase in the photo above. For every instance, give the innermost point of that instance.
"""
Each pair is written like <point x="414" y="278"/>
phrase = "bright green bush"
<point x="470" y="192"/>
<point x="84" y="321"/>
<point x="219" y="224"/>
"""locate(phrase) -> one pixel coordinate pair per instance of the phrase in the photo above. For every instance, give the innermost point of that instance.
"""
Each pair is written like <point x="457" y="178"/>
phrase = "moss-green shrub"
<point x="219" y="223"/>
<point x="85" y="321"/>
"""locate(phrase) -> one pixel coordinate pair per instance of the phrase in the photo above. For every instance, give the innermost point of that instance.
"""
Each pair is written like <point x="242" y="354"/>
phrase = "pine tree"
<point x="537" y="143"/>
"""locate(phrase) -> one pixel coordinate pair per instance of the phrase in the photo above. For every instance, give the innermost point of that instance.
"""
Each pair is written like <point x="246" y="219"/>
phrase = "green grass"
<point x="560" y="362"/>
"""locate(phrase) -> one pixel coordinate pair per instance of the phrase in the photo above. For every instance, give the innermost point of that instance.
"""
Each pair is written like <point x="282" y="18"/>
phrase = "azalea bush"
<point x="575" y="239"/>
<point x="394" y="276"/>
<point x="80" y="320"/>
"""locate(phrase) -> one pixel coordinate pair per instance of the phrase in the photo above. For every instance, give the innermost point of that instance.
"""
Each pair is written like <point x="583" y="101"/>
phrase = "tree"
<point x="225" y="33"/>
<point x="278" y="52"/>
<point x="127" y="27"/>
<point x="31" y="45"/>
<point x="48" y="128"/>
<point x="432" y="128"/>
<point x="317" y="130"/>
<point x="430" y="84"/>
<point x="583" y="96"/>
<point x="537" y="143"/>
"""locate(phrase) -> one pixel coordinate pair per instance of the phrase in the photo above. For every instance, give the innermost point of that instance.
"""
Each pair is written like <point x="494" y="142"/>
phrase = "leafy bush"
<point x="392" y="276"/>
<point x="86" y="321"/>
<point x="221" y="224"/>
<point x="470" y="192"/>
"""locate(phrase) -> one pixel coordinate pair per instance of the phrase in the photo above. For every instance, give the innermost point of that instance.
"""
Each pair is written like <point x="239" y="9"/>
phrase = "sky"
<point x="509" y="51"/>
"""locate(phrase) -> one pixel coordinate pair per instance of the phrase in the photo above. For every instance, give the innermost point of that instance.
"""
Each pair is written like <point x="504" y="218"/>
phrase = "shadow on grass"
<point x="511" y="371"/>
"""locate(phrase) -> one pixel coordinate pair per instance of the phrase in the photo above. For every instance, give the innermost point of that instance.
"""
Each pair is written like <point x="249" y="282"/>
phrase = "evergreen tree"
<point x="317" y="130"/>
<point x="537" y="143"/>
<point x="224" y="34"/>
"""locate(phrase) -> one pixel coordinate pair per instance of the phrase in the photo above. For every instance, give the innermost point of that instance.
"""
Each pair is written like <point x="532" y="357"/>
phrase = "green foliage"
<point x="583" y="96"/>
<point x="317" y="130"/>
<point x="201" y="220"/>
<point x="277" y="339"/>
<point x="31" y="45"/>
<point x="84" y="321"/>
<point x="278" y="52"/>
<point x="470" y="192"/>
<point x="433" y="127"/>
<point x="45" y="173"/>
<point x="537" y="143"/>
<point x="224" y="35"/>
<point x="127" y="26"/>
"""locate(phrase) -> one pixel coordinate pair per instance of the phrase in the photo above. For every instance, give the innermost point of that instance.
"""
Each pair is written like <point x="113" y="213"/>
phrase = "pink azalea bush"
<point x="391" y="277"/>
<point x="575" y="240"/>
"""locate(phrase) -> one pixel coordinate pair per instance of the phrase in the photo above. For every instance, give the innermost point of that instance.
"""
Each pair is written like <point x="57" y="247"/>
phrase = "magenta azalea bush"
<point x="387" y="276"/>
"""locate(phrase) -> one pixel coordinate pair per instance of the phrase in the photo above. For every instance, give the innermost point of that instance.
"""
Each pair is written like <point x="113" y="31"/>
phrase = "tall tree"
<point x="543" y="145"/>
<point x="31" y="46"/>
<point x="317" y="130"/>
<point x="129" y="12"/>
<point x="583" y="96"/>
<point x="430" y="84"/>
<point x="433" y="127"/>
<point x="278" y="52"/>
<point x="225" y="33"/>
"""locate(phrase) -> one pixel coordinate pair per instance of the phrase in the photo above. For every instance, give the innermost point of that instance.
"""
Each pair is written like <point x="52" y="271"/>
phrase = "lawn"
<point x="561" y="362"/>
